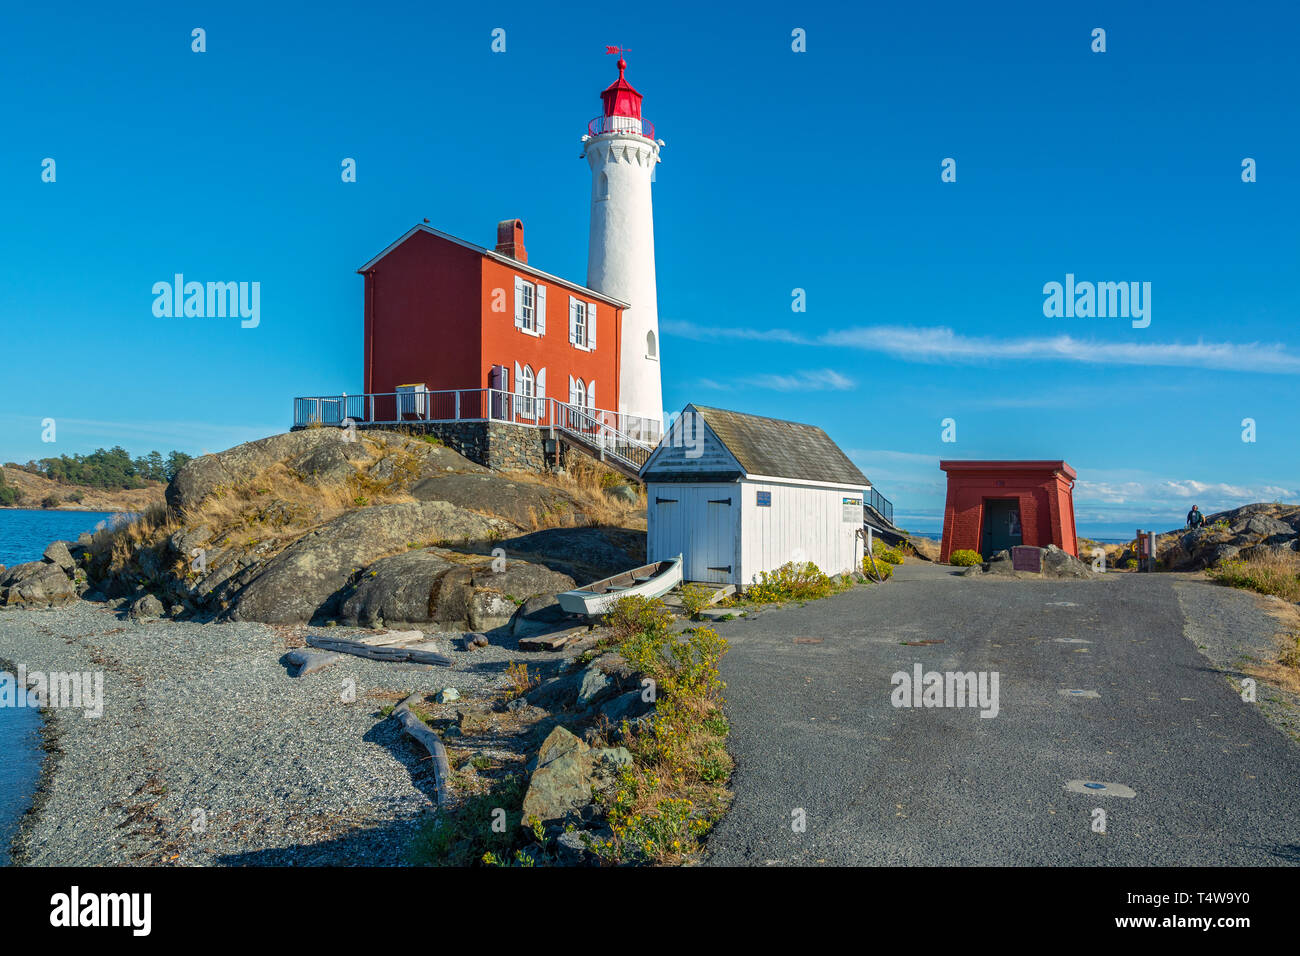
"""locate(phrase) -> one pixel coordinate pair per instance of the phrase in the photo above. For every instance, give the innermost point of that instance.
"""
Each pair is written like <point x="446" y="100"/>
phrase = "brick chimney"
<point x="510" y="239"/>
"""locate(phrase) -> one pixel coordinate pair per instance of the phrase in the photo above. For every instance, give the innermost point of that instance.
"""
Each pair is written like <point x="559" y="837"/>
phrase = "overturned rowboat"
<point x="648" y="581"/>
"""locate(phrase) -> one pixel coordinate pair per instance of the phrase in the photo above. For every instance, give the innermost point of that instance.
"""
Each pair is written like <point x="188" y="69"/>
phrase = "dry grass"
<point x="1275" y="574"/>
<point x="278" y="507"/>
<point x="271" y="509"/>
<point x="585" y="482"/>
<point x="520" y="681"/>
<point x="1285" y="671"/>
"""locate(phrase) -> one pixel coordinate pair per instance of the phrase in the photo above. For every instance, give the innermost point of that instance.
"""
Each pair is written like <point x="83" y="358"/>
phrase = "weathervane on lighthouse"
<point x="621" y="149"/>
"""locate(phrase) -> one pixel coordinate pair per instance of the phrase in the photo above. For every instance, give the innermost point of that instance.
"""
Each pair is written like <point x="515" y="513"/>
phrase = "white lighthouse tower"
<point x="621" y="149"/>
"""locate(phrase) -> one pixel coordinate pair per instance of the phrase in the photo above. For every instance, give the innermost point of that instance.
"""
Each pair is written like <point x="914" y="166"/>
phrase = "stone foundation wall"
<point x="497" y="445"/>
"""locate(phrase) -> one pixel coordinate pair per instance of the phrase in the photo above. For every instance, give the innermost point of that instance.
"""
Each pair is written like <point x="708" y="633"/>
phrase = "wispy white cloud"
<point x="813" y="380"/>
<point x="693" y="330"/>
<point x="1217" y="493"/>
<point x="941" y="345"/>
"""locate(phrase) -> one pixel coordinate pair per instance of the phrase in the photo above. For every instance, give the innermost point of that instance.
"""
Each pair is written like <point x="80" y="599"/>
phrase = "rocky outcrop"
<point x="1252" y="531"/>
<point x="402" y="589"/>
<point x="319" y="456"/>
<point x="36" y="584"/>
<point x="603" y="688"/>
<point x="519" y="502"/>
<point x="246" y="540"/>
<point x="456" y="591"/>
<point x="203" y="476"/>
<point x="300" y="583"/>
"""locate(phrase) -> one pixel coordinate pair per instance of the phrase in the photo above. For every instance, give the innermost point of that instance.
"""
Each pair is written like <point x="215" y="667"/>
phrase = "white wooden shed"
<point x="737" y="495"/>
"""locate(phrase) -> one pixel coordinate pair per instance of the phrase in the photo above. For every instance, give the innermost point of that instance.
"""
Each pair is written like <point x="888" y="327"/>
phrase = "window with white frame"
<point x="530" y="392"/>
<point x="527" y="392"/>
<point x="530" y="307"/>
<point x="582" y="324"/>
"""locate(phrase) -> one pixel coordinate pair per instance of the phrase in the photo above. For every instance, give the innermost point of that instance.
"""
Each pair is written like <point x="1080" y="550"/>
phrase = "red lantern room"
<point x="622" y="109"/>
<point x="620" y="98"/>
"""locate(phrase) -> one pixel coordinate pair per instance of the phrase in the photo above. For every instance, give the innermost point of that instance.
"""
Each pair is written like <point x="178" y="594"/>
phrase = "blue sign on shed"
<point x="765" y="499"/>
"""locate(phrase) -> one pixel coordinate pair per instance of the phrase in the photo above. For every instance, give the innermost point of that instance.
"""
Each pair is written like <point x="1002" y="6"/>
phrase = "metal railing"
<point x="621" y="124"/>
<point x="396" y="408"/>
<point x="594" y="428"/>
<point x="884" y="507"/>
<point x="628" y="438"/>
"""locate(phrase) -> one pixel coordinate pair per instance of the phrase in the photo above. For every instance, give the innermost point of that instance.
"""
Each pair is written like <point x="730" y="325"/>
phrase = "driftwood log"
<point x="417" y="728"/>
<point x="393" y="654"/>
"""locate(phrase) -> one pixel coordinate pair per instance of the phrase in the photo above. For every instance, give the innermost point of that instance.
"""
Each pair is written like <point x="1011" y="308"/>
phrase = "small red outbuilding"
<point x="995" y="505"/>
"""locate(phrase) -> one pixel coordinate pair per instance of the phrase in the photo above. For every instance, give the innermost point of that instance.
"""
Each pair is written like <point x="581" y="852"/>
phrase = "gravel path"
<point x="1234" y="630"/>
<point x="208" y="752"/>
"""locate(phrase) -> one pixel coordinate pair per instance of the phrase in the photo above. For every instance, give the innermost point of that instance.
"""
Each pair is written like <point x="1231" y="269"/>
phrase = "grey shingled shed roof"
<point x="781" y="449"/>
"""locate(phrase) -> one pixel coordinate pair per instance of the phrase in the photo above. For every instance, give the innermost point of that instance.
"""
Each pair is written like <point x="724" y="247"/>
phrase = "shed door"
<point x="700" y="523"/>
<point x="1001" y="525"/>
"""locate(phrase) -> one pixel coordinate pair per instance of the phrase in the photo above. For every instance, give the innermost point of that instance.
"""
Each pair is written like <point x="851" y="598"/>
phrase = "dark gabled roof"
<point x="781" y="449"/>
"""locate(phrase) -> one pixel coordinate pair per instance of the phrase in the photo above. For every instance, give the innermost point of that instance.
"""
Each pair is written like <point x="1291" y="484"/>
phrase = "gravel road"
<point x="208" y="752"/>
<point x="817" y="740"/>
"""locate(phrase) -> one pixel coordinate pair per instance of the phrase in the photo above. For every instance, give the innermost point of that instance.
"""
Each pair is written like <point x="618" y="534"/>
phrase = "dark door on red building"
<point x="1001" y="525"/>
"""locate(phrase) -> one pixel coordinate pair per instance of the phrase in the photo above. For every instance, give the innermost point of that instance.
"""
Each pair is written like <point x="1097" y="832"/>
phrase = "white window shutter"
<point x="519" y="312"/>
<point x="573" y="321"/>
<point x="519" y="379"/>
<point x="591" y="326"/>
<point x="540" y="305"/>
<point x="572" y="390"/>
<point x="591" y="394"/>
<point x="541" y="383"/>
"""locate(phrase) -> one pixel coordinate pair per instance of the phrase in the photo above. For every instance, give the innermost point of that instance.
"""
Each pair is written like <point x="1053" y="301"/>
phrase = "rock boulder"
<point x="36" y="584"/>
<point x="308" y="577"/>
<point x="561" y="779"/>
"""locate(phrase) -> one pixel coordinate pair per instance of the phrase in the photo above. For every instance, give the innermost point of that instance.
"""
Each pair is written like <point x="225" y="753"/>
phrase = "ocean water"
<point x="23" y="536"/>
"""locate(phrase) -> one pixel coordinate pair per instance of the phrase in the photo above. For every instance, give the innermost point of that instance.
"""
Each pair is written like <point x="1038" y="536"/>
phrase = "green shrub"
<point x="882" y="569"/>
<point x="695" y="598"/>
<point x="965" y="558"/>
<point x="884" y="552"/>
<point x="793" y="581"/>
<point x="636" y="615"/>
<point x="468" y="837"/>
<point x="50" y="501"/>
<point x="1129" y="563"/>
<point x="673" y="793"/>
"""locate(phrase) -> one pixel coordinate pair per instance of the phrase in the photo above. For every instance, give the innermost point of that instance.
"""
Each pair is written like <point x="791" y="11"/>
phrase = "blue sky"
<point x="817" y="170"/>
